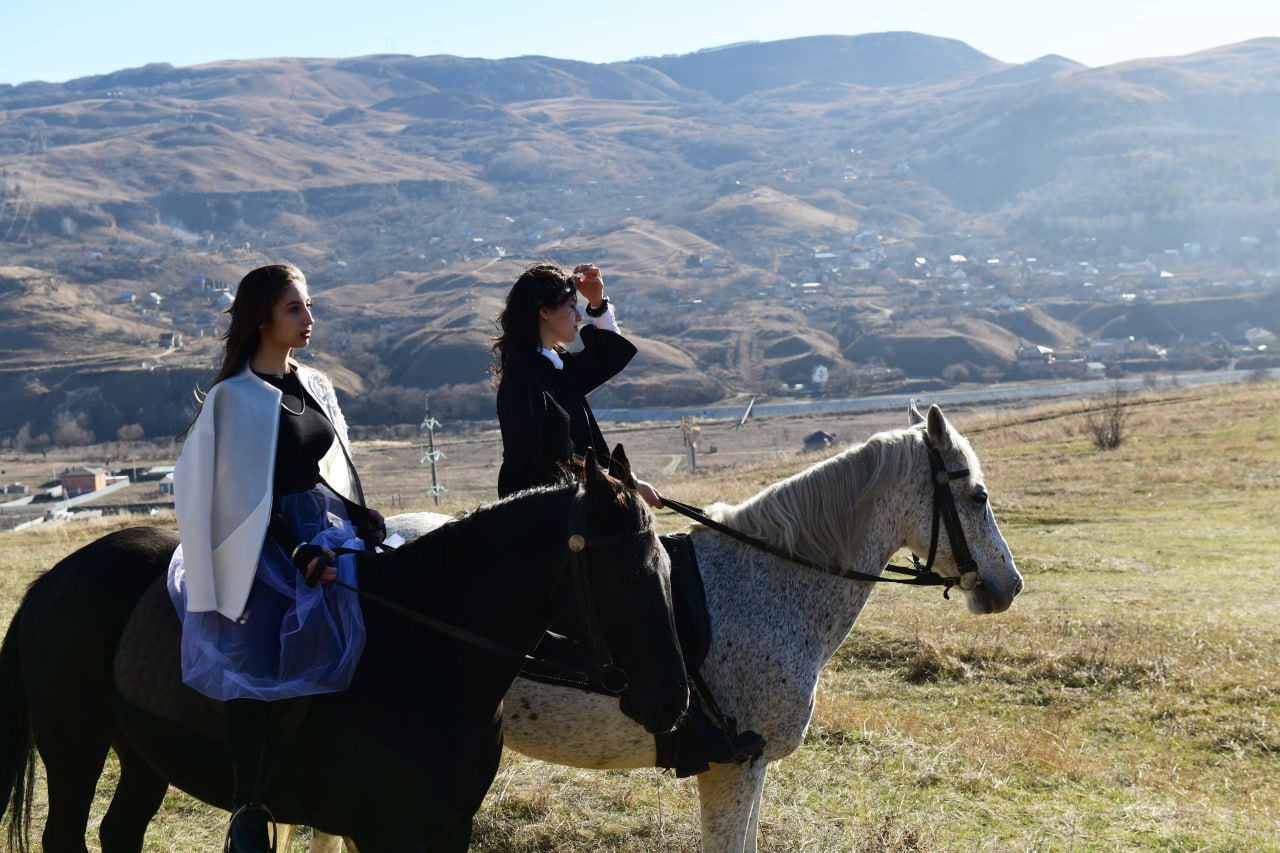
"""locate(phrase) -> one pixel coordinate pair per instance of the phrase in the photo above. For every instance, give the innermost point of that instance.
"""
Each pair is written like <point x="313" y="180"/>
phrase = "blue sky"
<point x="57" y="40"/>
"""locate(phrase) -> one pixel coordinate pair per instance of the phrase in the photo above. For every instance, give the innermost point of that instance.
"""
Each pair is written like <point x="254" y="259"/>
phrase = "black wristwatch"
<point x="599" y="310"/>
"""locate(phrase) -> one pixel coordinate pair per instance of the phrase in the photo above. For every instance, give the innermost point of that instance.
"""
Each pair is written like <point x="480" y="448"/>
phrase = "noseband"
<point x="918" y="574"/>
<point x="944" y="508"/>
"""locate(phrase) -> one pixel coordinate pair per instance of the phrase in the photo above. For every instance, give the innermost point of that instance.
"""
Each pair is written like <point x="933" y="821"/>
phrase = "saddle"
<point x="148" y="672"/>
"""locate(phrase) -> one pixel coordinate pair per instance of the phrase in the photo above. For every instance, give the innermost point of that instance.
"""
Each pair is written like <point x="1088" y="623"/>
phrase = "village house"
<point x="80" y="481"/>
<point x="1259" y="337"/>
<point x="1034" y="361"/>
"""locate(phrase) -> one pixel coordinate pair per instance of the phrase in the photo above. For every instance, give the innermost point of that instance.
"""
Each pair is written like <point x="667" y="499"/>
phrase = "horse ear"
<point x="620" y="467"/>
<point x="591" y="468"/>
<point x="913" y="414"/>
<point x="939" y="429"/>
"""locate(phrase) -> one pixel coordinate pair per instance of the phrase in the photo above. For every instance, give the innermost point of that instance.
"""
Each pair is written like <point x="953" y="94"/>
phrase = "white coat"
<point x="222" y="484"/>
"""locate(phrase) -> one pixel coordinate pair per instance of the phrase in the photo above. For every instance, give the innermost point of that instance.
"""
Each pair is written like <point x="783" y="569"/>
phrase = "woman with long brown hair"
<point x="265" y="492"/>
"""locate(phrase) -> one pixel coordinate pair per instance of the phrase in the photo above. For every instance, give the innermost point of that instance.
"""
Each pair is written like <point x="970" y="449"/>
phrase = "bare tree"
<point x="69" y="430"/>
<point x="130" y="432"/>
<point x="1105" y="424"/>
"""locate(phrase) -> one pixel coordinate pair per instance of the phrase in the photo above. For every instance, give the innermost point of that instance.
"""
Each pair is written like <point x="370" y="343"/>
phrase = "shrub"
<point x="1105" y="424"/>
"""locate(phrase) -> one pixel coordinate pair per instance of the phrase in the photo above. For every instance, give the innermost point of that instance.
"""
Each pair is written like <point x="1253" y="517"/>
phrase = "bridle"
<point x="602" y="670"/>
<point x="917" y="574"/>
<point x="944" y="508"/>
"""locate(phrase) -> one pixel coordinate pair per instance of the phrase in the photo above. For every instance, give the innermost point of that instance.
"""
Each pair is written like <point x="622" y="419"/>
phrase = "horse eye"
<point x="980" y="495"/>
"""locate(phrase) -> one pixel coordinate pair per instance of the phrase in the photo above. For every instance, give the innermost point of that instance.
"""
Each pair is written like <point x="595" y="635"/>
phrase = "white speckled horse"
<point x="776" y="623"/>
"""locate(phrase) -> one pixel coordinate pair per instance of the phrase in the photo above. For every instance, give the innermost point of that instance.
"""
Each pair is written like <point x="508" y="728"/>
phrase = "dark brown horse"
<point x="417" y="736"/>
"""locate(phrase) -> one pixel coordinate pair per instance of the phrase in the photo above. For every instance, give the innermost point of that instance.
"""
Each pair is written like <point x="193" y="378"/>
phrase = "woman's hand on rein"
<point x="648" y="494"/>
<point x="373" y="530"/>
<point x="316" y="564"/>
<point x="590" y="283"/>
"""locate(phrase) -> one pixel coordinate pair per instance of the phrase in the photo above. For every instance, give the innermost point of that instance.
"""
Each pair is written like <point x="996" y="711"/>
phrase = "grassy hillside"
<point x="1127" y="701"/>
<point x="803" y="181"/>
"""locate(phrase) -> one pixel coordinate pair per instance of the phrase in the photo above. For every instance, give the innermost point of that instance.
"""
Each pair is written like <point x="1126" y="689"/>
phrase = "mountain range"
<point x="882" y="206"/>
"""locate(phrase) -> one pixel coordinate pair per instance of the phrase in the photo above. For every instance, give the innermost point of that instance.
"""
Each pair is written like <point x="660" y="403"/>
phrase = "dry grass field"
<point x="1128" y="700"/>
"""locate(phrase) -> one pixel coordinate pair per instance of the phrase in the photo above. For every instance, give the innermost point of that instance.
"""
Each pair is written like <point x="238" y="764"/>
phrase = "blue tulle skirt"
<point x="294" y="640"/>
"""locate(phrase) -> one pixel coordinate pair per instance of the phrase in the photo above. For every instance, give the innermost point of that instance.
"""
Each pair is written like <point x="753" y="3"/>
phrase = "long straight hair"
<point x="256" y="297"/>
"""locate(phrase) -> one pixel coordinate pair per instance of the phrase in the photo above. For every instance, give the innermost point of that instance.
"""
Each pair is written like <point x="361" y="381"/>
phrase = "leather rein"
<point x="945" y="515"/>
<point x="602" y="669"/>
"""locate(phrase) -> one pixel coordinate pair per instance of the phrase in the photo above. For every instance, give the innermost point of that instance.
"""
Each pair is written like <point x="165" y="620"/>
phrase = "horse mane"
<point x="461" y="533"/>
<point x="823" y="511"/>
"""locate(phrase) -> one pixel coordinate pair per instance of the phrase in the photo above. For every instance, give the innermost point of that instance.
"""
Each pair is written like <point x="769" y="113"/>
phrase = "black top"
<point x="544" y="414"/>
<point x="304" y="438"/>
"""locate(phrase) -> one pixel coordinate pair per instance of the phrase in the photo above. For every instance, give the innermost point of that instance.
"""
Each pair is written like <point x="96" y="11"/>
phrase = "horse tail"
<point x="17" y="749"/>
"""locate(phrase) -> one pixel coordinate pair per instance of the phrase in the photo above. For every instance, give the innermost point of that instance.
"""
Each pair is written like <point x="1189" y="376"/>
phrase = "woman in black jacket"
<point x="546" y="423"/>
<point x="542" y="387"/>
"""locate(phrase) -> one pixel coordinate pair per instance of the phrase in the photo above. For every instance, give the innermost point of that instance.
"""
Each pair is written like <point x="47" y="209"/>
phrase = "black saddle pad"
<point x="148" y="674"/>
<point x="688" y="600"/>
<point x="148" y="667"/>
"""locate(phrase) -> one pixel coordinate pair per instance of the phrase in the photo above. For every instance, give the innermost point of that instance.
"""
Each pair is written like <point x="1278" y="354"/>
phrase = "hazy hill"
<point x="861" y="203"/>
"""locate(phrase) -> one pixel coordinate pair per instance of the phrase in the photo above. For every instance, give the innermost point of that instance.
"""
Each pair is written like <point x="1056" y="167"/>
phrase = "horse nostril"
<point x="1017" y="588"/>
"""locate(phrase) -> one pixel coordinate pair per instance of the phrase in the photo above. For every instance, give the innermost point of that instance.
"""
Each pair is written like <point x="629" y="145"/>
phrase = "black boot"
<point x="251" y="732"/>
<point x="701" y="742"/>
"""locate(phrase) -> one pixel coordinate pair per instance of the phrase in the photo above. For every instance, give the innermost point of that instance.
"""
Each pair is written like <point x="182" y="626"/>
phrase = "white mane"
<point x="822" y="512"/>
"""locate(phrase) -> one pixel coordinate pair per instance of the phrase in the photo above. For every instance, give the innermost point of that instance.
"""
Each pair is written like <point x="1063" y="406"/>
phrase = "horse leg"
<point x="72" y="768"/>
<point x="457" y="839"/>
<point x="323" y="843"/>
<point x="138" y="796"/>
<point x="381" y="841"/>
<point x="728" y="795"/>
<point x="753" y="827"/>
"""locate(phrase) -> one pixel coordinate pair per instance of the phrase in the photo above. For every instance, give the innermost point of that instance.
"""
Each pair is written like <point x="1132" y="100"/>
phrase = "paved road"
<point x="26" y="506"/>
<point x="1019" y="391"/>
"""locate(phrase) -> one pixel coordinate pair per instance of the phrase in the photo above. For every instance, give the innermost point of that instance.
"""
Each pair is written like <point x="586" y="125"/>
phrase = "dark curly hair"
<point x="543" y="285"/>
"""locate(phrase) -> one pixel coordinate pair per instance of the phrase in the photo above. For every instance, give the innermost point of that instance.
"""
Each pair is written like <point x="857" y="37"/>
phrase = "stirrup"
<point x="273" y="834"/>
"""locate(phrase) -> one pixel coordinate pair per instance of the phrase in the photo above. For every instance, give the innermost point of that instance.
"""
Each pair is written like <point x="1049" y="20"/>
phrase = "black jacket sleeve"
<point x="604" y="354"/>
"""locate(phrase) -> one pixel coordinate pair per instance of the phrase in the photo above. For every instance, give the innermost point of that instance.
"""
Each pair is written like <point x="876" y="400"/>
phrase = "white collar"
<point x="553" y="357"/>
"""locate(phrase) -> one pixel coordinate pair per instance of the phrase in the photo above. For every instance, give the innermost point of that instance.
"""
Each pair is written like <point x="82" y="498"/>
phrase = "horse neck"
<point x="490" y="572"/>
<point x="841" y="512"/>
<point x="846" y="513"/>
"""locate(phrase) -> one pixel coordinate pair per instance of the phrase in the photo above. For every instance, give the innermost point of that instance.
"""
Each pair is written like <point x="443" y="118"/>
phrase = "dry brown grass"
<point x="1128" y="701"/>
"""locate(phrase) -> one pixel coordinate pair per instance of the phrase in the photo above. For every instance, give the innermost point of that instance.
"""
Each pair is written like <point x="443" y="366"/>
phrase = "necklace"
<point x="302" y="395"/>
<point x="301" y="409"/>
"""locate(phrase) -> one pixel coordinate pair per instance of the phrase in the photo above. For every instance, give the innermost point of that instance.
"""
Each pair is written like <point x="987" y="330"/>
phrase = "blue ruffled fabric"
<point x="294" y="640"/>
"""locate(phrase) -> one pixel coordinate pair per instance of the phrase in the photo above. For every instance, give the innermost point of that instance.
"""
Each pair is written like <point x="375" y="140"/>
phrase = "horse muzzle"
<point x="987" y="597"/>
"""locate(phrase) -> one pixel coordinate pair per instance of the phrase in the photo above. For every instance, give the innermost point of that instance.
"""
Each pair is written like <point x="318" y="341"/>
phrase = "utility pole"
<point x="690" y="433"/>
<point x="428" y="426"/>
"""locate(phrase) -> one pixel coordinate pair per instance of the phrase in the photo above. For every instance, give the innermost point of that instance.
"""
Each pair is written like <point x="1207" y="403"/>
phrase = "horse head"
<point x="630" y="583"/>
<point x="952" y="485"/>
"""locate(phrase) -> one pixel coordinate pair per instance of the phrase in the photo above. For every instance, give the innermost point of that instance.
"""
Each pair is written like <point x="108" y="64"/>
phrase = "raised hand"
<point x="590" y="283"/>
